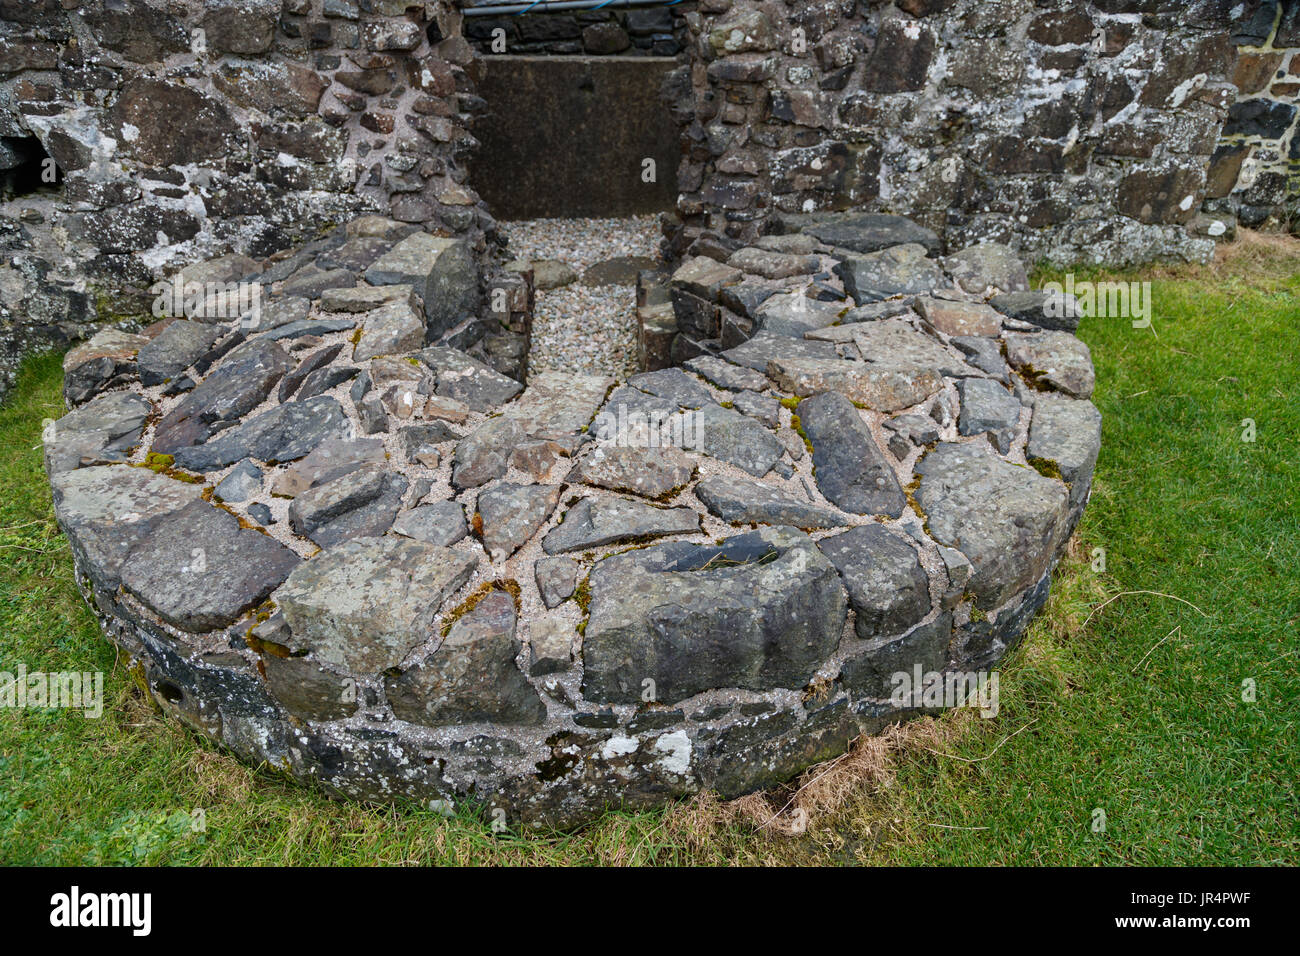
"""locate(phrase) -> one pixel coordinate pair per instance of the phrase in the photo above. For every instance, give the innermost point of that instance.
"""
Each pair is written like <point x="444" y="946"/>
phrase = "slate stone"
<point x="237" y="386"/>
<point x="365" y="298"/>
<point x="323" y="379"/>
<point x="332" y="458"/>
<point x="794" y="314"/>
<point x="360" y="504"/>
<point x="468" y="380"/>
<point x="440" y="269"/>
<point x="174" y="350"/>
<point x="441" y="524"/>
<point x="771" y="264"/>
<point x="959" y="318"/>
<point x="559" y="405"/>
<point x="364" y="605"/>
<point x="1054" y="360"/>
<point x="1065" y="434"/>
<point x="261" y="514"/>
<point x="895" y="343"/>
<point x="850" y="469"/>
<point x="871" y="232"/>
<point x="557" y="577"/>
<point x="391" y="329"/>
<point x="740" y="500"/>
<point x="472" y="676"/>
<point x="420" y="439"/>
<point x="900" y="270"/>
<point x="620" y="270"/>
<point x="281" y="311"/>
<point x="984" y="354"/>
<point x="102" y="430"/>
<point x="884" y="387"/>
<point x="199" y="571"/>
<point x="285" y="433"/>
<point x="761" y="610"/>
<point x="594" y="522"/>
<point x="888" y="589"/>
<point x="725" y="374"/>
<point x="550" y="647"/>
<point x="308" y="690"/>
<point x="1047" y="310"/>
<point x="243" y="482"/>
<point x="290" y="384"/>
<point x="870" y="672"/>
<point x="106" y="510"/>
<point x="764" y="347"/>
<point x="988" y="407"/>
<point x="1007" y="519"/>
<point x="305" y="327"/>
<point x="988" y="265"/>
<point x="765" y="409"/>
<point x="734" y="438"/>
<point x="511" y="514"/>
<point x="675" y="385"/>
<point x="484" y="454"/>
<point x="371" y="416"/>
<point x="310" y="282"/>
<point x="649" y="472"/>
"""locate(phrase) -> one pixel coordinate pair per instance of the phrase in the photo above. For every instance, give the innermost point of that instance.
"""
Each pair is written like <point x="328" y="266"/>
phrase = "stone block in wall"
<point x="1267" y="119"/>
<point x="240" y="26"/>
<point x="901" y="59"/>
<point x="1254" y="71"/>
<point x="167" y="124"/>
<point x="1168" y="194"/>
<point x="273" y="88"/>
<point x="141" y="32"/>
<point x="1225" y="169"/>
<point x="745" y="29"/>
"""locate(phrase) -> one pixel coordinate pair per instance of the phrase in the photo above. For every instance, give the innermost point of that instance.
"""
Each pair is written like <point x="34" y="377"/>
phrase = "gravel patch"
<point x="578" y="328"/>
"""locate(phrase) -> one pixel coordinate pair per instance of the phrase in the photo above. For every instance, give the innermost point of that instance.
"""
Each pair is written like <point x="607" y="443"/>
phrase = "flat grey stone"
<point x="984" y="354"/>
<point x="988" y="265"/>
<point x="592" y="523"/>
<point x="740" y="500"/>
<point x="243" y="482"/>
<point x="391" y="329"/>
<point x="771" y="264"/>
<point x="869" y="673"/>
<point x="550" y="647"/>
<point x="360" y="504"/>
<point x="442" y="524"/>
<point x="765" y="346"/>
<point x="557" y="577"/>
<point x="285" y="433"/>
<point x="1066" y="434"/>
<point x="763" y="408"/>
<point x="877" y="385"/>
<point x="365" y="298"/>
<point x="893" y="343"/>
<point x="282" y="311"/>
<point x="323" y="379"/>
<point x="468" y="380"/>
<point x="472" y="676"/>
<point x="869" y="232"/>
<point x="105" y="511"/>
<point x="290" y="384"/>
<point x="559" y="405"/>
<point x="649" y="472"/>
<point x="511" y="515"/>
<point x="484" y="454"/>
<point x="851" y="471"/>
<point x="101" y="430"/>
<point x="200" y="571"/>
<point x="367" y="603"/>
<point x="1055" y="360"/>
<point x="309" y="281"/>
<point x="620" y="270"/>
<point x="549" y="274"/>
<point x="332" y="458"/>
<point x="987" y="406"/>
<point x="1047" y="310"/>
<point x="420" y="439"/>
<point x="900" y="270"/>
<point x="233" y="389"/>
<point x="888" y="588"/>
<point x="761" y="610"/>
<point x="674" y="385"/>
<point x="728" y="375"/>
<point x="737" y="439"/>
<point x="1007" y="519"/>
<point x="175" y="349"/>
<point x="296" y="330"/>
<point x="794" y="314"/>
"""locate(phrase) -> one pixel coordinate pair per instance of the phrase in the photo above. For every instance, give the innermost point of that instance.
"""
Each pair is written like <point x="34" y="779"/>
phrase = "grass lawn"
<point x="1138" y="715"/>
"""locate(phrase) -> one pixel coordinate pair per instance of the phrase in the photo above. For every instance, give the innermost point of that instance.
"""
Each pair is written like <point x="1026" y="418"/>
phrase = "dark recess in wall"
<point x="567" y="136"/>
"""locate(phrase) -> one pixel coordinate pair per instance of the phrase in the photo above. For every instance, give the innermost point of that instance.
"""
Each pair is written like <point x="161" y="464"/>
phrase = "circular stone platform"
<point x="390" y="570"/>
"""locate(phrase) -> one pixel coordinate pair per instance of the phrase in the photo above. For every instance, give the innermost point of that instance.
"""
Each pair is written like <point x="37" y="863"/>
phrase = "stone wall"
<point x="1254" y="177"/>
<point x="185" y="128"/>
<point x="645" y="31"/>
<point x="1074" y="131"/>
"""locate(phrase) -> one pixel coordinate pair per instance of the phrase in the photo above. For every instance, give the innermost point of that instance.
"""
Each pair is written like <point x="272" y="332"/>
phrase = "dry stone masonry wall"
<point x="387" y="569"/>
<point x="1075" y="131"/>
